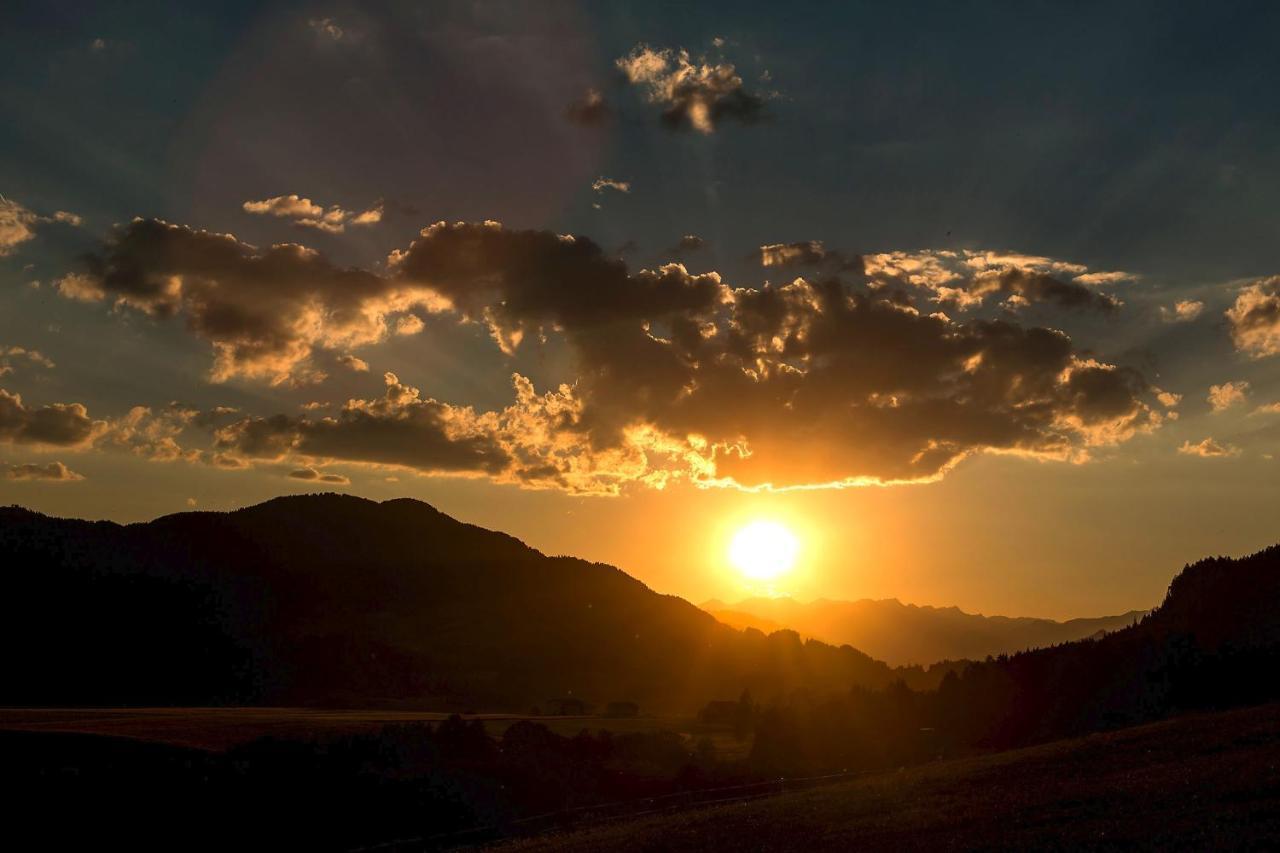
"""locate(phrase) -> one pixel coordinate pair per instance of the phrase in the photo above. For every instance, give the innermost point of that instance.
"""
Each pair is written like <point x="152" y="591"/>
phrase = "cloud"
<point x="602" y="183"/>
<point x="589" y="110"/>
<point x="11" y="354"/>
<point x="317" y="476"/>
<point x="1100" y="278"/>
<point x="18" y="224"/>
<point x="399" y="429"/>
<point x="264" y="311"/>
<point x="54" y="472"/>
<point x="675" y="376"/>
<point x="1183" y="311"/>
<point x="142" y="431"/>
<point x="808" y="383"/>
<point x="697" y="95"/>
<point x="1208" y="448"/>
<point x="518" y="282"/>
<point x="688" y="243"/>
<point x="326" y="28"/>
<point x="154" y="434"/>
<point x="306" y="213"/>
<point x="285" y="206"/>
<point x="372" y="216"/>
<point x="352" y="362"/>
<point x="807" y="253"/>
<point x="410" y="324"/>
<point x="1224" y="396"/>
<point x="54" y="425"/>
<point x="966" y="279"/>
<point x="1255" y="318"/>
<point x="1267" y="409"/>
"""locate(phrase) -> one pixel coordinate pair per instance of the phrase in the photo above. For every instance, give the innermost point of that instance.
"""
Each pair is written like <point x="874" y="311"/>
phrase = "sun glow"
<point x="763" y="550"/>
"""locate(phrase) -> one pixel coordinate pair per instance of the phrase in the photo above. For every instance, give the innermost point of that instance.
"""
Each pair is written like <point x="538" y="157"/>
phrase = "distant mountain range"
<point x="903" y="634"/>
<point x="337" y="600"/>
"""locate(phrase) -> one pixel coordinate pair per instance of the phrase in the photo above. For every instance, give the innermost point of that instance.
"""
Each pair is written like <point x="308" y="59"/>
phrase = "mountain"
<point x="904" y="634"/>
<point x="1213" y="643"/>
<point x="337" y="600"/>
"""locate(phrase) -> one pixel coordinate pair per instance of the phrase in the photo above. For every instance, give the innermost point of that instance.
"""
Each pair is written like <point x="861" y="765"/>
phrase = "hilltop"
<point x="336" y="600"/>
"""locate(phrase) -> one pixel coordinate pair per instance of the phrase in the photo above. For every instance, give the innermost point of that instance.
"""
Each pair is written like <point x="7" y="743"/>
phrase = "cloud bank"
<point x="848" y="378"/>
<point x="54" y="472"/>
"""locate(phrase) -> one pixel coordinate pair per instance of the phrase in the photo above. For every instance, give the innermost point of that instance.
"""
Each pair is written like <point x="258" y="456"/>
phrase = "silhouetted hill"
<point x="1203" y="782"/>
<point x="1213" y="643"/>
<point x="903" y="634"/>
<point x="329" y="599"/>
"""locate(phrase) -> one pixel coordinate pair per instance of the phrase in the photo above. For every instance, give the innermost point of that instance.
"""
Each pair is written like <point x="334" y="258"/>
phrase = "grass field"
<point x="1203" y="782"/>
<point x="221" y="728"/>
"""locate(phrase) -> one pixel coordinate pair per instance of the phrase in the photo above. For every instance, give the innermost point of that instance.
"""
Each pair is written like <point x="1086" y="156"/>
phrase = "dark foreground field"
<point x="1209" y="781"/>
<point x="219" y="729"/>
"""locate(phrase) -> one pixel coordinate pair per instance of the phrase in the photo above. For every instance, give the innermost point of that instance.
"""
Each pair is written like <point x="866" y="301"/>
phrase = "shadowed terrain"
<point x="1204" y="782"/>
<point x="339" y="601"/>
<point x="395" y="610"/>
<point x="903" y="634"/>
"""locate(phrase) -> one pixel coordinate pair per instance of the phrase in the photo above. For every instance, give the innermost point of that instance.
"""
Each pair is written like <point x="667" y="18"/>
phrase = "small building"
<point x="622" y="709"/>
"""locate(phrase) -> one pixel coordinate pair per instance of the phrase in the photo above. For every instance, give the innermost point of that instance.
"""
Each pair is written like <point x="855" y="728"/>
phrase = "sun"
<point x="763" y="550"/>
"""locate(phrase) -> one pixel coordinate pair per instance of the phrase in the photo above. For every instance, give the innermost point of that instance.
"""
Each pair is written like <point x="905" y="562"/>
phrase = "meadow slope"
<point x="1207" y="781"/>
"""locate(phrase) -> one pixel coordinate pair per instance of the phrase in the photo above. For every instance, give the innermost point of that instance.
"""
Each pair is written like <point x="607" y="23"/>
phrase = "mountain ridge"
<point x="333" y="599"/>
<point x="904" y="634"/>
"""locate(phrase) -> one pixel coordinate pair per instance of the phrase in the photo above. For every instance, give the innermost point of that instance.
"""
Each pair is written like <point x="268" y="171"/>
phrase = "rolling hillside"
<point x="336" y="600"/>
<point x="1205" y="782"/>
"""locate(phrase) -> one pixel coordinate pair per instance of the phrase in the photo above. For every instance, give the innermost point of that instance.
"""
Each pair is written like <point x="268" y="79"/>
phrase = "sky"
<point x="982" y="301"/>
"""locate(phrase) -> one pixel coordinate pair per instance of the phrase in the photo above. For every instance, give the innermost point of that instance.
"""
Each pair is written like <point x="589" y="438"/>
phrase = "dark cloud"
<point x="692" y="95"/>
<point x="399" y="429"/>
<point x="1039" y="287"/>
<point x="265" y="311"/>
<point x="808" y="253"/>
<point x="58" y="424"/>
<point x="687" y="244"/>
<point x="48" y="472"/>
<point x="837" y="381"/>
<point x="800" y="384"/>
<point x="589" y="110"/>
<point x="1255" y="318"/>
<point x="519" y="282"/>
<point x="966" y="279"/>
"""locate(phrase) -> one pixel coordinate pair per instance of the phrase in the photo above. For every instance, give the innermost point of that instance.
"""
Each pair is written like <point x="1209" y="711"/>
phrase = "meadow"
<point x="218" y="729"/>
<point x="1204" y="782"/>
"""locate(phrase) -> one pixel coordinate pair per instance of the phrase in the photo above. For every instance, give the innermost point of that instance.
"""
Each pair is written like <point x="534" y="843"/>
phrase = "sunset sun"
<point x="763" y="550"/>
